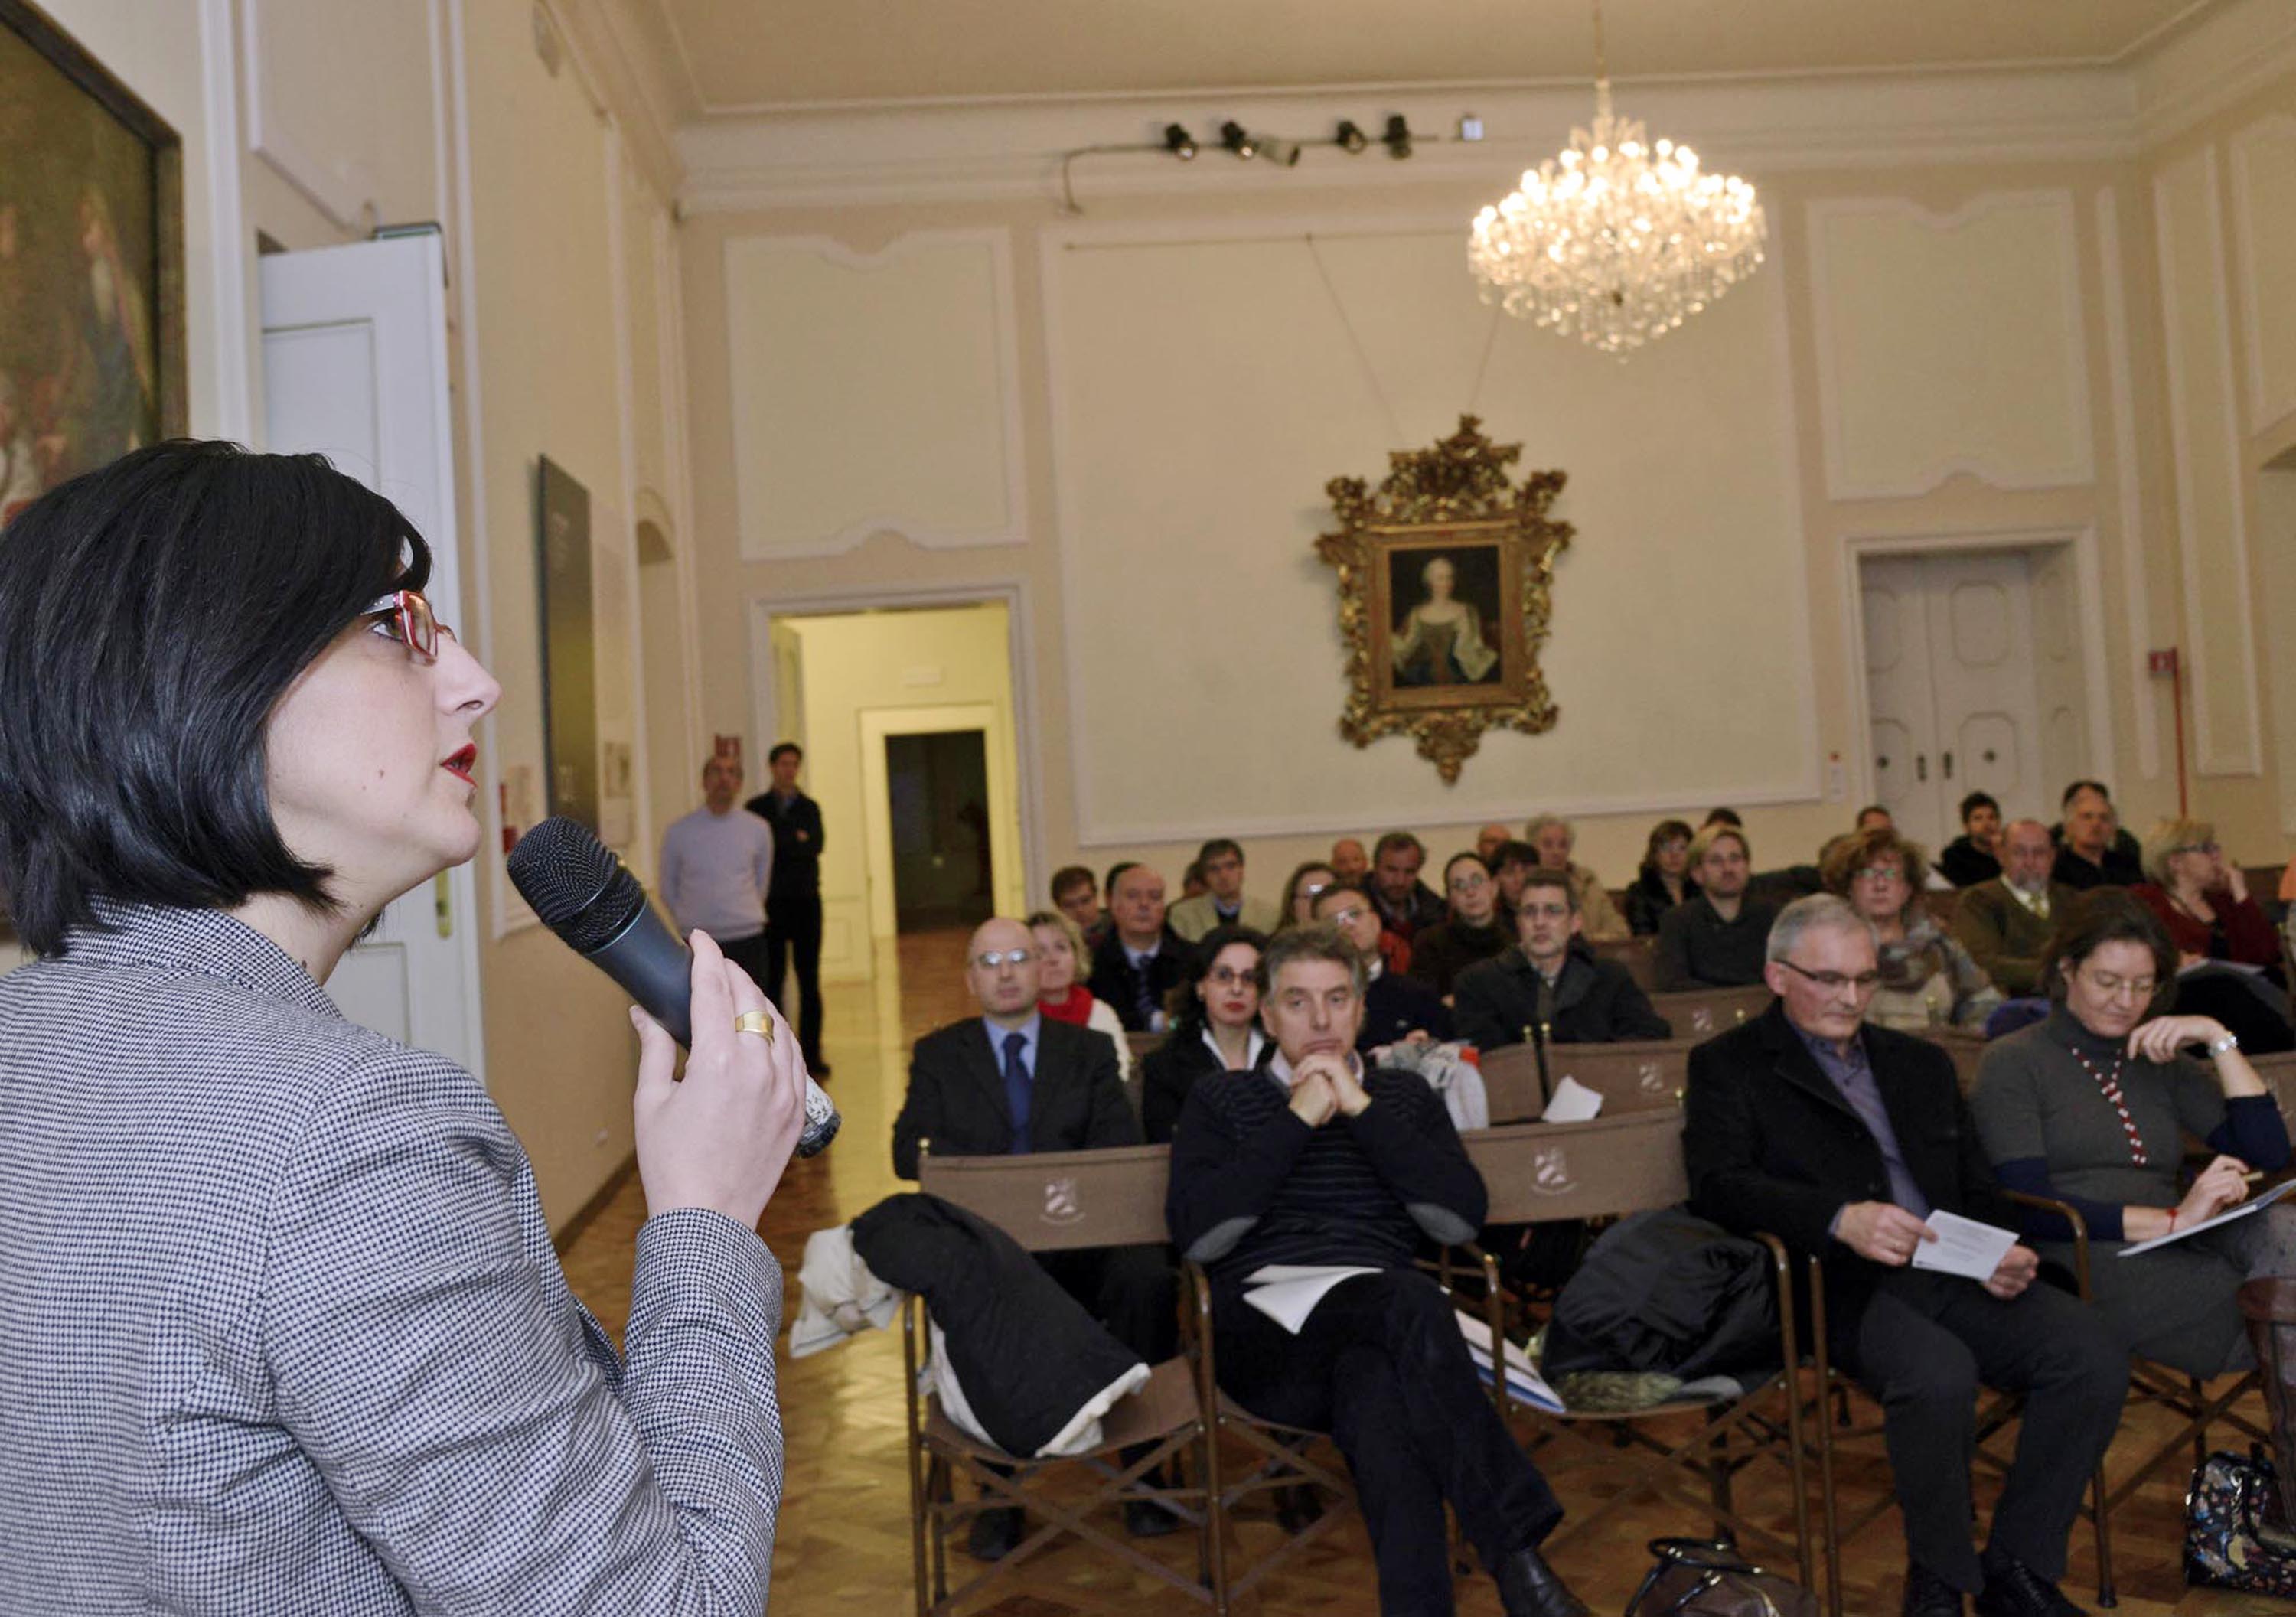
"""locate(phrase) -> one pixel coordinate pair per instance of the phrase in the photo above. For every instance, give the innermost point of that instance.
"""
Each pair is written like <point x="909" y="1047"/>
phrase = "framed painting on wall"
<point x="91" y="263"/>
<point x="570" y="652"/>
<point x="1446" y="574"/>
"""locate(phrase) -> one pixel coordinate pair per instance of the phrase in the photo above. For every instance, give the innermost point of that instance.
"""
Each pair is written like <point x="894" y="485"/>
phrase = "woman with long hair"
<point x="1664" y="880"/>
<point x="1215" y="1026"/>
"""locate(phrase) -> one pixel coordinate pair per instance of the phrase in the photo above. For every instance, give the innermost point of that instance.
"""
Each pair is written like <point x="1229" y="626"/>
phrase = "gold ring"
<point x="760" y="1022"/>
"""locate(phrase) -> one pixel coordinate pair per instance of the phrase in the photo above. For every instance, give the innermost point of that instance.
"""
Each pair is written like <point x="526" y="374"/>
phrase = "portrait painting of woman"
<point x="1446" y="635"/>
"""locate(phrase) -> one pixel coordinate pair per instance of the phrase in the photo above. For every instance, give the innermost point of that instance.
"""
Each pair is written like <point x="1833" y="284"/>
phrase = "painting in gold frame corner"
<point x="91" y="263"/>
<point x="1445" y="585"/>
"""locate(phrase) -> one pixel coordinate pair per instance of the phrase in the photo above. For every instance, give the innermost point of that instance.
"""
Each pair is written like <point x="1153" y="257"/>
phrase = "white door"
<point x="1950" y="687"/>
<point x="355" y="367"/>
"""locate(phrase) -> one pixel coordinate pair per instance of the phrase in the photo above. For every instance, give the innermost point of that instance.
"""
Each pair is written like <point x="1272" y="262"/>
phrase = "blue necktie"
<point x="1144" y="994"/>
<point x="1016" y="1090"/>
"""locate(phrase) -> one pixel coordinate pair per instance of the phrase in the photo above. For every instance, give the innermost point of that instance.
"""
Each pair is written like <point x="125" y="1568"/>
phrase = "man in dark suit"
<point x="1551" y="979"/>
<point x="1396" y="1009"/>
<point x="1406" y="903"/>
<point x="2095" y="853"/>
<point x="2006" y="924"/>
<point x="1013" y="1080"/>
<point x="794" y="897"/>
<point x="1842" y="1140"/>
<point x="1141" y="960"/>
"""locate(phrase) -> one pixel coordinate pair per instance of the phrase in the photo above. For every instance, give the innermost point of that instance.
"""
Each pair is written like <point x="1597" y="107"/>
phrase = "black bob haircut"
<point x="153" y="612"/>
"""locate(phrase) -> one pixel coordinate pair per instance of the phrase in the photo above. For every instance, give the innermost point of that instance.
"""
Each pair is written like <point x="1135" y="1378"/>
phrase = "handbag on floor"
<point x="1706" y="1578"/>
<point x="2233" y="1535"/>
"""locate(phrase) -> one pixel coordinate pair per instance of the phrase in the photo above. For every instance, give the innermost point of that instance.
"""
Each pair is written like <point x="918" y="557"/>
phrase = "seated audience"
<point x="1664" y="880"/>
<point x="1215" y="1026"/>
<point x="1298" y="905"/>
<point x="1474" y="929"/>
<point x="1075" y="894"/>
<point x="2092" y="1107"/>
<point x="1975" y="855"/>
<point x="1406" y="903"/>
<point x="1141" y="958"/>
<point x="1350" y="862"/>
<point x="1723" y="817"/>
<point x="1060" y="952"/>
<point x="1551" y="979"/>
<point x="1516" y="862"/>
<point x="1874" y="817"/>
<point x="1394" y="1007"/>
<point x="1488" y="841"/>
<point x="1552" y="835"/>
<point x="1192" y="881"/>
<point x="2090" y="853"/>
<point x="2201" y="897"/>
<point x="1713" y="939"/>
<point x="1928" y="979"/>
<point x="1319" y="1162"/>
<point x="2006" y="924"/>
<point x="1223" y="902"/>
<point x="1841" y="1138"/>
<point x="1013" y="1080"/>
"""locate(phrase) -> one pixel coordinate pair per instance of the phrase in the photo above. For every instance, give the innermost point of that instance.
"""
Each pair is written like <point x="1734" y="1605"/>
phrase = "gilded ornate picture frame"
<point x="1446" y="574"/>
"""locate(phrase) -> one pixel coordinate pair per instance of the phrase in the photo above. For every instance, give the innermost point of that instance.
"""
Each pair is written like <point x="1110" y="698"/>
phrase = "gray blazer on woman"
<point x="282" y="1330"/>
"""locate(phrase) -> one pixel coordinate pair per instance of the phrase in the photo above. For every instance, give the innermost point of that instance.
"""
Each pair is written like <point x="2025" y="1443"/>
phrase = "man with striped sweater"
<point x="1314" y="1161"/>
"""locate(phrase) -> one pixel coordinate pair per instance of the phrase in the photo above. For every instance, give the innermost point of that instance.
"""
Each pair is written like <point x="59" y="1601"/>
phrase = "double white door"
<point x="1951" y="694"/>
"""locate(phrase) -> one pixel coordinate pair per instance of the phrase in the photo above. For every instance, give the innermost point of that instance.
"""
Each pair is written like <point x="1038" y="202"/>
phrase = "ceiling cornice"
<point x="634" y="84"/>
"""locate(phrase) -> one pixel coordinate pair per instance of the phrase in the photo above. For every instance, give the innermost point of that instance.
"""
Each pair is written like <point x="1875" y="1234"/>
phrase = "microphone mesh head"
<point x="574" y="882"/>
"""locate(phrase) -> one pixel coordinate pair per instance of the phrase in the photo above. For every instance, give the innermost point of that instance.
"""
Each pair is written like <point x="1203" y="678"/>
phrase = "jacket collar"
<point x="1792" y="1059"/>
<point x="205" y="941"/>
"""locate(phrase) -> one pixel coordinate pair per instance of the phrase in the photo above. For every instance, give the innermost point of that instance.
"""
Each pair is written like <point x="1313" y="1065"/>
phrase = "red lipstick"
<point x="460" y="764"/>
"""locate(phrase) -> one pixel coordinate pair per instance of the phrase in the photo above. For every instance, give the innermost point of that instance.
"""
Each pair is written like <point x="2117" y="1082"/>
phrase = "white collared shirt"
<point x="1257" y="1042"/>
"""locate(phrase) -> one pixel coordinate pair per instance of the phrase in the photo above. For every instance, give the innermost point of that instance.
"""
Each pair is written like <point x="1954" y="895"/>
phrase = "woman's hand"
<point x="2222" y="1184"/>
<point x="2162" y="1038"/>
<point x="720" y="1137"/>
<point x="2234" y="880"/>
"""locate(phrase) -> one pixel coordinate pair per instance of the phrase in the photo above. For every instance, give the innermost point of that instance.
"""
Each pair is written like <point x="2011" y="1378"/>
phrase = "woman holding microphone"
<point x="284" y="1330"/>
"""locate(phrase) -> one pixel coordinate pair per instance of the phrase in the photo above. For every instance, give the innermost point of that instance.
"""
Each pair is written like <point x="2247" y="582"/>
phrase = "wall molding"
<point x="1005" y="311"/>
<point x="345" y="195"/>
<point x="2234" y="50"/>
<point x="1839" y="482"/>
<point x="235" y="303"/>
<point x="2135" y="590"/>
<point x="2244" y="753"/>
<point x="2264" y="407"/>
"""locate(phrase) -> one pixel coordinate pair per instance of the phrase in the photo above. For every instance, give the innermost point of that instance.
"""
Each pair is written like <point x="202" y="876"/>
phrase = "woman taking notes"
<point x="2091" y="1107"/>
<point x="284" y="1330"/>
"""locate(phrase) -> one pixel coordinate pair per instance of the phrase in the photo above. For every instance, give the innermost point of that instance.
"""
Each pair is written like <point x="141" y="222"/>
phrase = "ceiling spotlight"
<point x="1284" y="154"/>
<point x="1350" y="139"/>
<point x="1179" y="143"/>
<point x="1234" y="138"/>
<point x="1471" y="127"/>
<point x="1398" y="139"/>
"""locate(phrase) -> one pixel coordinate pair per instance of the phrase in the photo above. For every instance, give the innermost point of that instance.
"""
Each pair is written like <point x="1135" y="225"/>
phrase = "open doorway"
<point x="937" y="792"/>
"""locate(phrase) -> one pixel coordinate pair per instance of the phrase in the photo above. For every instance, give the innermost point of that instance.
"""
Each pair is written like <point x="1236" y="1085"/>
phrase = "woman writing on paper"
<point x="2090" y="1107"/>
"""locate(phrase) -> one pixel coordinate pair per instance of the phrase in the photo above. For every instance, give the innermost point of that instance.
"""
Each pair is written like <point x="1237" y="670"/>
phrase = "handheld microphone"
<point x="599" y="910"/>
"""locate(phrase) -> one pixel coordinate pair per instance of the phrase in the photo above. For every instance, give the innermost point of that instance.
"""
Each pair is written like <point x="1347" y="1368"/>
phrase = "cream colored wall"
<point x="342" y="115"/>
<point x="855" y="664"/>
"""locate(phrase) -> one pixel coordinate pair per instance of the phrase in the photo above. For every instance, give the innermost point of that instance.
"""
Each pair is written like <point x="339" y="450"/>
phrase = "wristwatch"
<point x="2217" y="1047"/>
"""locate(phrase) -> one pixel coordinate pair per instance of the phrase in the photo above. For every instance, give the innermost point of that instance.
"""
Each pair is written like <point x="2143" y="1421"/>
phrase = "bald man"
<point x="1349" y="861"/>
<point x="1488" y="841"/>
<point x="1011" y="1080"/>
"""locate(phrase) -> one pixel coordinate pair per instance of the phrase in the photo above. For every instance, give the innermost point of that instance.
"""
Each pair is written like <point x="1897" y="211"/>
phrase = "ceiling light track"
<point x="1395" y="137"/>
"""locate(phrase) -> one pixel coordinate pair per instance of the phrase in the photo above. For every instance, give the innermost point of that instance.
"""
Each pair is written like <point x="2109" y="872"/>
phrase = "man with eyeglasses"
<point x="1552" y="981"/>
<point x="1472" y="933"/>
<point x="1842" y="1140"/>
<point x="2005" y="924"/>
<point x="1396" y="1009"/>
<point x="1011" y="1080"/>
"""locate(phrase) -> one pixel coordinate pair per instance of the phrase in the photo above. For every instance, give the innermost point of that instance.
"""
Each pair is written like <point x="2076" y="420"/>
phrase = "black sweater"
<point x="1252" y="1185"/>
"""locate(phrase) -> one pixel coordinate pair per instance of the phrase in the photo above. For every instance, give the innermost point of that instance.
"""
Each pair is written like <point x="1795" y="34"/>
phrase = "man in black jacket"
<point x="1551" y="977"/>
<point x="1713" y="939"/>
<point x="1141" y="960"/>
<point x="1396" y="1009"/>
<point x="794" y="897"/>
<point x="1842" y="1140"/>
<point x="1316" y="1161"/>
<point x="1013" y="1080"/>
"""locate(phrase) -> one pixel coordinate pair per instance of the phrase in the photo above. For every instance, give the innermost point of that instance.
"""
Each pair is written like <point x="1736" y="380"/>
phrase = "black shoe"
<point x="996" y="1533"/>
<point x="1298" y="1508"/>
<point x="2014" y="1590"/>
<point x="1146" y="1519"/>
<point x="1927" y="1595"/>
<point x="1529" y="1587"/>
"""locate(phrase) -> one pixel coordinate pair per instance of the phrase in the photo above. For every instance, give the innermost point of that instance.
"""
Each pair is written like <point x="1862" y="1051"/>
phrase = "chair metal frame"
<point x="1050" y="1202"/>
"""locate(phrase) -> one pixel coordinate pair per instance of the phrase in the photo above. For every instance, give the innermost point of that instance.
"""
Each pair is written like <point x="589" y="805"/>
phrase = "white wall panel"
<point x="874" y="392"/>
<point x="1949" y="343"/>
<point x="2264" y="219"/>
<point x="341" y="102"/>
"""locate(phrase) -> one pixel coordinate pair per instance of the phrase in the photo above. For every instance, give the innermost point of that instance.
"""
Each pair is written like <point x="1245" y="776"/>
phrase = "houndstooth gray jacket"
<point x="282" y="1330"/>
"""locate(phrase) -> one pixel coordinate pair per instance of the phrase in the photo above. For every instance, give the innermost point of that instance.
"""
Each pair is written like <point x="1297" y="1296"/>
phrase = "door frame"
<point x="2089" y="624"/>
<point x="878" y="725"/>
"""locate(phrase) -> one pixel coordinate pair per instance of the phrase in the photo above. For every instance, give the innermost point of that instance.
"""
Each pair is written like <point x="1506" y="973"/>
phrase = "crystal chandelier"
<point x="1617" y="240"/>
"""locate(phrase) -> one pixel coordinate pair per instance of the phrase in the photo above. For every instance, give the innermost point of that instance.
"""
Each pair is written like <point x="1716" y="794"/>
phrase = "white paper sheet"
<point x="1963" y="1246"/>
<point x="2253" y="1204"/>
<point x="1288" y="1292"/>
<point x="1524" y="1380"/>
<point x="1572" y="1103"/>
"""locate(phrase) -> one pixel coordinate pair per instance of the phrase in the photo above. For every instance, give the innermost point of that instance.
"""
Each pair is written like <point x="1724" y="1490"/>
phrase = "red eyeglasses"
<point x="408" y="614"/>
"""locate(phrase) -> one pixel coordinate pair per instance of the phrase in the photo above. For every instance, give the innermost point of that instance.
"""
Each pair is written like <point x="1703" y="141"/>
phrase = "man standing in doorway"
<point x="716" y="867"/>
<point x="793" y="904"/>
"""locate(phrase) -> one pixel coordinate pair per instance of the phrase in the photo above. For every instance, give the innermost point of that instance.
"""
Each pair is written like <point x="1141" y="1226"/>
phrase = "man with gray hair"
<point x="1599" y="918"/>
<point x="1842" y="1140"/>
<point x="2006" y="924"/>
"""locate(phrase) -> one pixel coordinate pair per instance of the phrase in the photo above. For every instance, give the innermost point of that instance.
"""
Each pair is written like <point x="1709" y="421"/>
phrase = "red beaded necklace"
<point x="2110" y="1083"/>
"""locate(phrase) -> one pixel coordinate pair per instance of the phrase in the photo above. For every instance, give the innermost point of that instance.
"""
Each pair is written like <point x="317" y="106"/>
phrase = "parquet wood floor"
<point x="844" y="1538"/>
